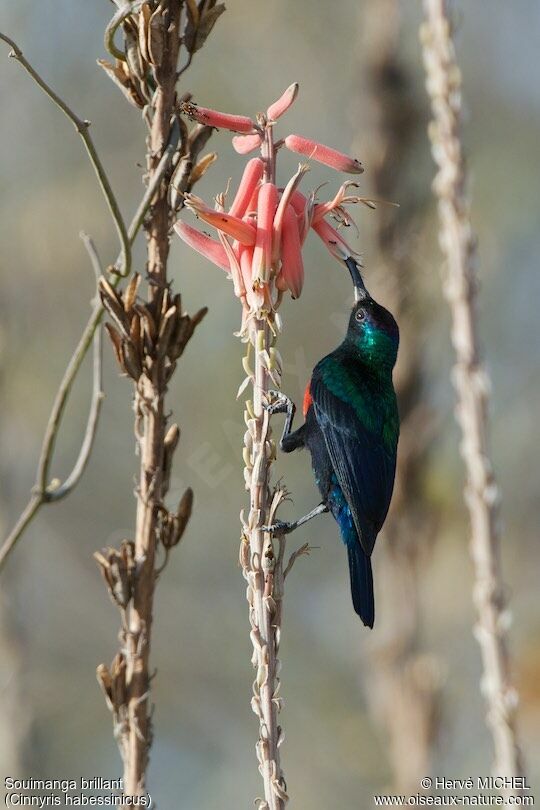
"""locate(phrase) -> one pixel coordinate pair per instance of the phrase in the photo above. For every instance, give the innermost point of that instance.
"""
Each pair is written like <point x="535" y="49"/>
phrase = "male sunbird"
<point x="351" y="429"/>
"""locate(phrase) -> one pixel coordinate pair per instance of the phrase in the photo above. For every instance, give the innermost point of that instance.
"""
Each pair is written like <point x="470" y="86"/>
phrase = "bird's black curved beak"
<point x="360" y="291"/>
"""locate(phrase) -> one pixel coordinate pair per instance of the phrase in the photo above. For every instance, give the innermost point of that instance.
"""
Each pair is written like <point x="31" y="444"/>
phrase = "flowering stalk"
<point x="472" y="385"/>
<point x="263" y="269"/>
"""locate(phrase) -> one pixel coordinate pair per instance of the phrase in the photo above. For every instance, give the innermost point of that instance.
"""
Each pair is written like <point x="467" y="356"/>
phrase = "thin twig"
<point x="82" y="127"/>
<point x="39" y="495"/>
<point x="458" y="244"/>
<point x="93" y="254"/>
<point x="91" y="428"/>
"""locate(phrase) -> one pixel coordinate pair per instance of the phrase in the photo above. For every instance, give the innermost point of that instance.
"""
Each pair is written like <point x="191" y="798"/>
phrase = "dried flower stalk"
<point x="148" y="338"/>
<point x="458" y="243"/>
<point x="404" y="687"/>
<point x="149" y="334"/>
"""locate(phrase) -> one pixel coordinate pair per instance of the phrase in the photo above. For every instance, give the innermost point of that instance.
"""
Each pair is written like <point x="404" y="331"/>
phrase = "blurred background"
<point x="355" y="722"/>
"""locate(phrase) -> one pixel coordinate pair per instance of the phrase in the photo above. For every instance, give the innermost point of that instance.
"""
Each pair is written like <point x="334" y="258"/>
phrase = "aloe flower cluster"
<point x="260" y="236"/>
<point x="262" y="232"/>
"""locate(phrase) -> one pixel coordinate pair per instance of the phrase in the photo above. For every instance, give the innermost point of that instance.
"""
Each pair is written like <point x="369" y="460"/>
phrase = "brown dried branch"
<point x="458" y="244"/>
<point x="149" y="333"/>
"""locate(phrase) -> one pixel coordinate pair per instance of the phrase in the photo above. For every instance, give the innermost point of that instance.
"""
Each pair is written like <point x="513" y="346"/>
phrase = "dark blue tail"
<point x="361" y="583"/>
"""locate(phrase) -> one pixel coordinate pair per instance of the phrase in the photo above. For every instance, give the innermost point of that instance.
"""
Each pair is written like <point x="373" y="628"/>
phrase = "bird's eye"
<point x="360" y="315"/>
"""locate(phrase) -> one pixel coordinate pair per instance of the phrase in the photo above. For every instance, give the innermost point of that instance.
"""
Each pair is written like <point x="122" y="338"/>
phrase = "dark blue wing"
<point x="364" y="469"/>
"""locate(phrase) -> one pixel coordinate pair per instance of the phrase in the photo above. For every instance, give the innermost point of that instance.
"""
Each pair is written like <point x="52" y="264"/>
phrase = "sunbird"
<point x="351" y="429"/>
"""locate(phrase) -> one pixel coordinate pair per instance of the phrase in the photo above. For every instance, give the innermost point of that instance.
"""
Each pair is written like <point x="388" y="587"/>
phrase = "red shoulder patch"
<point x="308" y="400"/>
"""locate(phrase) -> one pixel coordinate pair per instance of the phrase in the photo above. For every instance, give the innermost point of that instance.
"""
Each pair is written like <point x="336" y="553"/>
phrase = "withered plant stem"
<point x="458" y="244"/>
<point x="404" y="687"/>
<point x="150" y="429"/>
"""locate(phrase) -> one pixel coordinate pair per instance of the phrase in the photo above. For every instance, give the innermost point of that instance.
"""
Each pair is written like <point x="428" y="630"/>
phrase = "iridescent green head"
<point x="372" y="329"/>
<point x="374" y="333"/>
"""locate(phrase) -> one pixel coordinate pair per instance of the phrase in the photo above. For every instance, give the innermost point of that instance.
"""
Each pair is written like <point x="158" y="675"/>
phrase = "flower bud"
<point x="323" y="154"/>
<point x="213" y="118"/>
<point x="243" y="144"/>
<point x="279" y="107"/>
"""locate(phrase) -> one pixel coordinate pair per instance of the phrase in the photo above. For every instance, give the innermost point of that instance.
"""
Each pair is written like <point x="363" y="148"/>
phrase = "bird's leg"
<point x="282" y="527"/>
<point x="282" y="404"/>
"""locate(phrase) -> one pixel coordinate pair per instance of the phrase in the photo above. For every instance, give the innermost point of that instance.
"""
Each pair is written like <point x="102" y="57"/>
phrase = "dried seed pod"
<point x="131" y="360"/>
<point x="117" y="568"/>
<point x="130" y="293"/>
<point x="184" y="510"/>
<point x="169" y="446"/>
<point x="123" y="81"/>
<point x="148" y="322"/>
<point x="118" y="676"/>
<point x="135" y="331"/>
<point x="134" y="59"/>
<point x="105" y="681"/>
<point x="201" y="167"/>
<point x="198" y="26"/>
<point x="156" y="33"/>
<point x="114" y="306"/>
<point x="143" y="24"/>
<point x="166" y="327"/>
<point x="116" y="341"/>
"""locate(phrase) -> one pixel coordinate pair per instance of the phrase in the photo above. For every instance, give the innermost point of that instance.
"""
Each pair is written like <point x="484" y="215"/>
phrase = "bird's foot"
<point x="277" y="402"/>
<point x="280" y="527"/>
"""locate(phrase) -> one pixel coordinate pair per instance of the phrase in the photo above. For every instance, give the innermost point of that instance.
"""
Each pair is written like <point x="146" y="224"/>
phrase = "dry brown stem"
<point x="149" y="335"/>
<point x="458" y="244"/>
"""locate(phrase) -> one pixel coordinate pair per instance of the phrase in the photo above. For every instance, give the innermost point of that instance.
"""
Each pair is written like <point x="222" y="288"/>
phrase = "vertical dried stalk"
<point x="405" y="692"/>
<point x="151" y="424"/>
<point x="262" y="568"/>
<point x="458" y="244"/>
<point x="148" y="337"/>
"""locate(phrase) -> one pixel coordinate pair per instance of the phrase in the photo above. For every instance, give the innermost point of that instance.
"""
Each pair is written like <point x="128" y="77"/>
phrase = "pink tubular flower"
<point x="203" y="244"/>
<point x="337" y="246"/>
<point x="323" y="154"/>
<point x="262" y="255"/>
<point x="262" y="234"/>
<point x="291" y="275"/>
<point x="279" y="107"/>
<point x="213" y="118"/>
<point x="284" y="202"/>
<point x="229" y="224"/>
<point x="249" y="182"/>
<point x="304" y="212"/>
<point x="244" y="144"/>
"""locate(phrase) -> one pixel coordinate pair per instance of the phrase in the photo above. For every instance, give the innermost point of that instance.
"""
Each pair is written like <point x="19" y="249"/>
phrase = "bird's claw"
<point x="280" y="527"/>
<point x="277" y="402"/>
